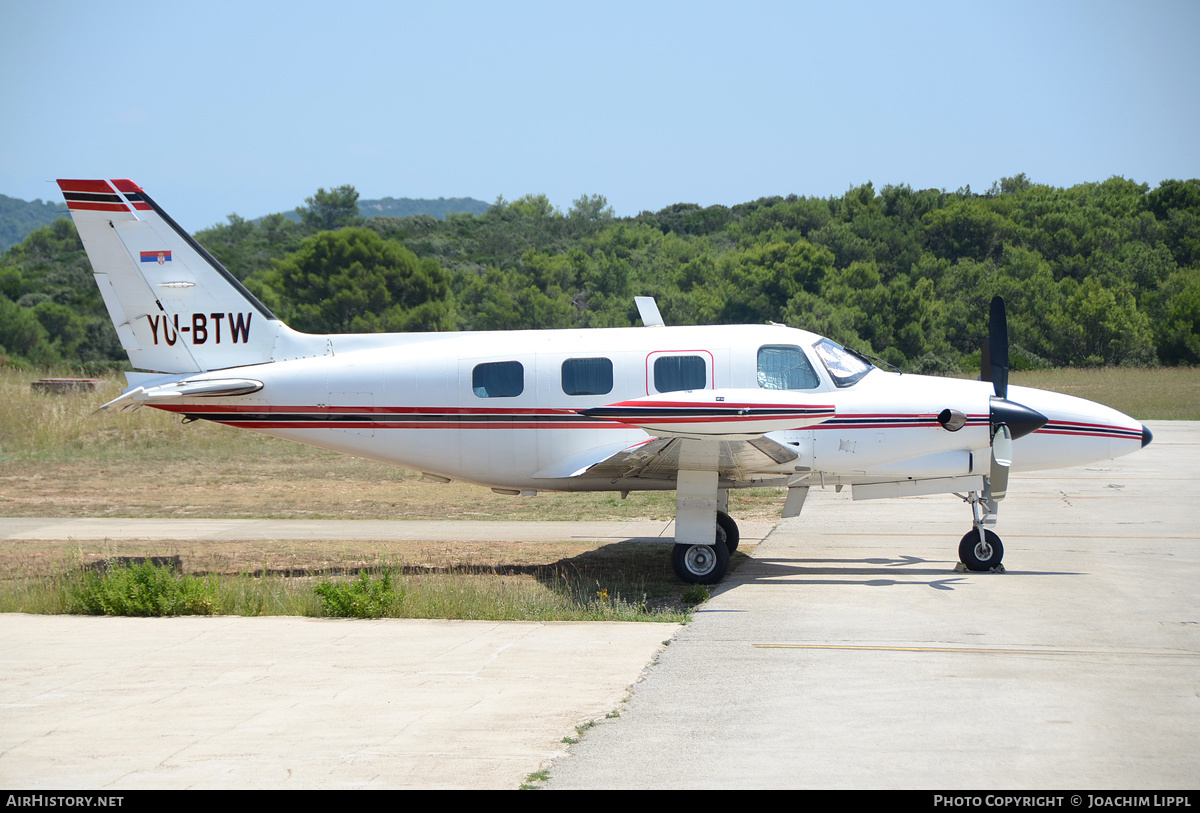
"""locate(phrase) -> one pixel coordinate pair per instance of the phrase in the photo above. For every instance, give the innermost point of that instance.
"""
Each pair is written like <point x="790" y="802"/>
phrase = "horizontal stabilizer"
<point x="138" y="397"/>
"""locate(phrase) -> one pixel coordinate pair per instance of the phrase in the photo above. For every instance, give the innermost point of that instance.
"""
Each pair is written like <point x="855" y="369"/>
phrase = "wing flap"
<point x="659" y="459"/>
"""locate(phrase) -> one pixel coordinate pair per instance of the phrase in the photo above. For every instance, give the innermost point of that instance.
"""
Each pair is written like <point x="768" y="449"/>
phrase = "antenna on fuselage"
<point x="648" y="310"/>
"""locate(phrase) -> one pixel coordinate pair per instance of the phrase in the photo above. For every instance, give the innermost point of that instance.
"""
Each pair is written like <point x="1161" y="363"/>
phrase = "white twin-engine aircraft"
<point x="699" y="410"/>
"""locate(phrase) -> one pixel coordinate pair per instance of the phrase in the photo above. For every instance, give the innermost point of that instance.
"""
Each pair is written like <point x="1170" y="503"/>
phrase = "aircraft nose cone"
<point x="1146" y="436"/>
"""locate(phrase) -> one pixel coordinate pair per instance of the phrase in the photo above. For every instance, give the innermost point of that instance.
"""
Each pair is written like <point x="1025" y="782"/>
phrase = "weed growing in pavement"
<point x="141" y="589"/>
<point x="531" y="781"/>
<point x="364" y="598"/>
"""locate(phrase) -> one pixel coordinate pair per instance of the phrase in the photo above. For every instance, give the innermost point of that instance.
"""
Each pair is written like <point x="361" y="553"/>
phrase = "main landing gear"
<point x="707" y="564"/>
<point x="725" y="523"/>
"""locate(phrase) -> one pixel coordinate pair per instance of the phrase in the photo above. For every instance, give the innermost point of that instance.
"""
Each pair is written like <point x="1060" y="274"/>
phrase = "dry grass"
<point x="1148" y="394"/>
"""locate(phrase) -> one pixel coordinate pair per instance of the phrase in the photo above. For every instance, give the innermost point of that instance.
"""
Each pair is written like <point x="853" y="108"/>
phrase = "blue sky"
<point x="249" y="106"/>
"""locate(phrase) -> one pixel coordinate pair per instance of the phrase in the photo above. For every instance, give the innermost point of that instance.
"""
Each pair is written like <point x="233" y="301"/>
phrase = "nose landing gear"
<point x="980" y="549"/>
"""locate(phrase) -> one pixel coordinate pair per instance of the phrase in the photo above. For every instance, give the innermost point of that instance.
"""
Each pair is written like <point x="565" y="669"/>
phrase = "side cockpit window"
<point x="845" y="369"/>
<point x="499" y="379"/>
<point x="587" y="376"/>
<point x="785" y="367"/>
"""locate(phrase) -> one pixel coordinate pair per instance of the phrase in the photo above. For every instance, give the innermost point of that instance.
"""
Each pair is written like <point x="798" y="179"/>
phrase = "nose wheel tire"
<point x="701" y="564"/>
<point x="980" y="554"/>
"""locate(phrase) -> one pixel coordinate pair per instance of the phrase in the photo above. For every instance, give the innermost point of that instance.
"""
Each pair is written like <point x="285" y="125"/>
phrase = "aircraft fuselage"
<point x="416" y="401"/>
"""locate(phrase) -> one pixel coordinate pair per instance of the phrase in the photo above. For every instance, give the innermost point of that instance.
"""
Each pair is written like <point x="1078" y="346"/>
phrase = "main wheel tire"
<point x="980" y="555"/>
<point x="732" y="535"/>
<point x="701" y="564"/>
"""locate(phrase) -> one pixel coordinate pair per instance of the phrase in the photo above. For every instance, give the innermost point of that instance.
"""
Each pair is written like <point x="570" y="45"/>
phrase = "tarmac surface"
<point x="846" y="652"/>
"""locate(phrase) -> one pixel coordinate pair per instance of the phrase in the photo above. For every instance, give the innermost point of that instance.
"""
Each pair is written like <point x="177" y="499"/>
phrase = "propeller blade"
<point x="1009" y="420"/>
<point x="995" y="356"/>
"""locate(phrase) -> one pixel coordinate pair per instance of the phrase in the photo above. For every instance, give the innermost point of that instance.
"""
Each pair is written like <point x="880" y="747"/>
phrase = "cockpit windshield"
<point x="844" y="369"/>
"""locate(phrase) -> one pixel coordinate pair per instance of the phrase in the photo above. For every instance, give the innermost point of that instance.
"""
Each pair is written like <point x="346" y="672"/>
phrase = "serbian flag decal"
<point x="159" y="257"/>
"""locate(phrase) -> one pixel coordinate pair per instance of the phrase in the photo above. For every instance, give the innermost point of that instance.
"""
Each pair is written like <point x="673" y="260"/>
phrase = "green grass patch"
<point x="558" y="592"/>
<point x="362" y="598"/>
<point x="140" y="589"/>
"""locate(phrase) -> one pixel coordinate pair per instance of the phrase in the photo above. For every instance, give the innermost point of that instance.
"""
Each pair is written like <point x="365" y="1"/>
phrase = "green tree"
<point x="593" y="208"/>
<point x="49" y="279"/>
<point x="967" y="228"/>
<point x="23" y="336"/>
<point x="245" y="248"/>
<point x="1176" y="204"/>
<point x="354" y="281"/>
<point x="1096" y="325"/>
<point x="1177" y="332"/>
<point x="334" y="209"/>
<point x="510" y="300"/>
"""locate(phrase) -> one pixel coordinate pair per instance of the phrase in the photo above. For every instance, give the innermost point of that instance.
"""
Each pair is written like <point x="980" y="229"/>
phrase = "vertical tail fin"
<point x="176" y="309"/>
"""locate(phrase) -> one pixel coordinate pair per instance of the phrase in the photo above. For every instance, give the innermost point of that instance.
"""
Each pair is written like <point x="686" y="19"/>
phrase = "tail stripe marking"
<point x="132" y="192"/>
<point x="85" y="186"/>
<point x="93" y="196"/>
<point x="93" y="202"/>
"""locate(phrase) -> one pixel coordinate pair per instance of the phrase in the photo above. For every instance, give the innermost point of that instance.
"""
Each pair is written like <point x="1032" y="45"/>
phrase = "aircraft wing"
<point x="719" y="430"/>
<point x="661" y="458"/>
<point x="727" y="414"/>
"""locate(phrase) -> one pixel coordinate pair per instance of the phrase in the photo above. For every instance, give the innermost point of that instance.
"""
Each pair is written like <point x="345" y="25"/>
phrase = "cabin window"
<point x="783" y="367"/>
<point x="498" y="379"/>
<point x="587" y="376"/>
<point x="676" y="373"/>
